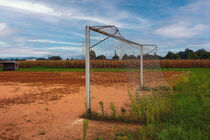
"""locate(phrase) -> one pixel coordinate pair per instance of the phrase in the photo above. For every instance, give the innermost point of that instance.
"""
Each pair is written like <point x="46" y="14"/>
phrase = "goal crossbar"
<point x="98" y="29"/>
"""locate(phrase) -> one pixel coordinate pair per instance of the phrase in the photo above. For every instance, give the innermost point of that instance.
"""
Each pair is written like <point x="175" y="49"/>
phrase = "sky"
<point x="43" y="28"/>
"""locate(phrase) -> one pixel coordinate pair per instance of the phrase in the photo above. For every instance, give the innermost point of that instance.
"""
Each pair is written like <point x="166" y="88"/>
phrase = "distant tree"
<point x="169" y="55"/>
<point x="72" y="58"/>
<point x="92" y="54"/>
<point x="101" y="57"/>
<point x="125" y="56"/>
<point x="55" y="58"/>
<point x="189" y="54"/>
<point x="115" y="57"/>
<point x="132" y="57"/>
<point x="67" y="59"/>
<point x="40" y="58"/>
<point x="202" y="54"/>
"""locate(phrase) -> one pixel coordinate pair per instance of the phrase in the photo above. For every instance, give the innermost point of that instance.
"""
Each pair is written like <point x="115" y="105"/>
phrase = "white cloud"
<point x="65" y="48"/>
<point x="23" y="52"/>
<point x="2" y="43"/>
<point x="204" y="45"/>
<point x="77" y="34"/>
<point x="54" y="42"/>
<point x="29" y="6"/>
<point x="43" y="9"/>
<point x="75" y="12"/>
<point x="180" y="30"/>
<point x="199" y="7"/>
<point x="6" y="30"/>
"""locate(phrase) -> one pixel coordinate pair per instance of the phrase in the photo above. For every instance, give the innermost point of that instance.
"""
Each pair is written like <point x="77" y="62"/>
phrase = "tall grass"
<point x="180" y="114"/>
<point x="85" y="127"/>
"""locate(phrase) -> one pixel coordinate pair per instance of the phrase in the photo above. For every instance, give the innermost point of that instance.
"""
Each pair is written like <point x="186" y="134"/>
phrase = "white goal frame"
<point x="87" y="57"/>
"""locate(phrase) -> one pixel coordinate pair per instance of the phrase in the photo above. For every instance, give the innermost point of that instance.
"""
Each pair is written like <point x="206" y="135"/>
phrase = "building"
<point x="30" y="59"/>
<point x="9" y="65"/>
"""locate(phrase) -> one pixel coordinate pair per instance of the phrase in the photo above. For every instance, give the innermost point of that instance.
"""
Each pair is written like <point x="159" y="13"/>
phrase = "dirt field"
<point x="48" y="105"/>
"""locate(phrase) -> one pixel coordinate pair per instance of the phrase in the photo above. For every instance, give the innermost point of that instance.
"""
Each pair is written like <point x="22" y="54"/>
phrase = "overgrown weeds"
<point x="85" y="127"/>
<point x="181" y="114"/>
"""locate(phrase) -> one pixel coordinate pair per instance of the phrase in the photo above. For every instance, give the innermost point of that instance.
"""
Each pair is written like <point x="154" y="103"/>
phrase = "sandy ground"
<point x="48" y="105"/>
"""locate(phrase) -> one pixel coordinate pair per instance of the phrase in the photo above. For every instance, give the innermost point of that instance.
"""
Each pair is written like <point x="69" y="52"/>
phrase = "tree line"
<point x="188" y="54"/>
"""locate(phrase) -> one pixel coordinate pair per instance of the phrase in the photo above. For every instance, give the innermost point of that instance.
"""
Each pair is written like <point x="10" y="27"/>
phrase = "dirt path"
<point x="48" y="105"/>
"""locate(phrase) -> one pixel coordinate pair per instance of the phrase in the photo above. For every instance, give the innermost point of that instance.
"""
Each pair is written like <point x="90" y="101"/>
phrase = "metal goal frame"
<point x="87" y="56"/>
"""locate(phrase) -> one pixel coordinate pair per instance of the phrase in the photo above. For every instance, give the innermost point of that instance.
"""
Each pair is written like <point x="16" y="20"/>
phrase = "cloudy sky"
<point x="56" y="27"/>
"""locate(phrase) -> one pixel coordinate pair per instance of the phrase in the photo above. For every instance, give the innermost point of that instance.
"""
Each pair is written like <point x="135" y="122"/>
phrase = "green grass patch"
<point x="178" y="114"/>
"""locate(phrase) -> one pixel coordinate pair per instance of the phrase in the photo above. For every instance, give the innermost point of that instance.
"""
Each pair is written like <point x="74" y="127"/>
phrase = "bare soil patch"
<point x="48" y="105"/>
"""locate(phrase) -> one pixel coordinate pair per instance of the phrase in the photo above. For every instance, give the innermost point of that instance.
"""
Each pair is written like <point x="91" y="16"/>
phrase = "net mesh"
<point x="115" y="66"/>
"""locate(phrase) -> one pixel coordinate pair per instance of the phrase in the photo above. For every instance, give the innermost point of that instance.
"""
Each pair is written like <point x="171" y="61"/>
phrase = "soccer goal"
<point x="115" y="65"/>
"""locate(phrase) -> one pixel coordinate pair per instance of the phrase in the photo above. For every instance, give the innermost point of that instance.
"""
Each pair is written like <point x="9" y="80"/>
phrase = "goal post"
<point x="141" y="68"/>
<point x="87" y="67"/>
<point x="105" y="40"/>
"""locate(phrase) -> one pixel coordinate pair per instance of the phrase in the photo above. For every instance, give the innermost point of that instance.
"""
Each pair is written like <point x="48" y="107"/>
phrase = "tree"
<point x="131" y="57"/>
<point x="125" y="56"/>
<point x="101" y="57"/>
<point x="115" y="57"/>
<point x="40" y="58"/>
<point x="92" y="54"/>
<point x="188" y="53"/>
<point x="202" y="54"/>
<point x="55" y="58"/>
<point x="169" y="55"/>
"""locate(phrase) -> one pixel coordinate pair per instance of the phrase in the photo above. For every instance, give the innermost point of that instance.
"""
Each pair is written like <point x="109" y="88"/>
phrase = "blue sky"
<point x="56" y="27"/>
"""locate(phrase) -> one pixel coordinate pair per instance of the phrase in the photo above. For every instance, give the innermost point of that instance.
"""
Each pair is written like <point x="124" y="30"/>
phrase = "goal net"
<point x="116" y="66"/>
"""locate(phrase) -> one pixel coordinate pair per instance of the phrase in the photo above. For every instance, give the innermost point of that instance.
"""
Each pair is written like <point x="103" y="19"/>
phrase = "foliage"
<point x="85" y="127"/>
<point x="188" y="54"/>
<point x="115" y="57"/>
<point x="101" y="104"/>
<point x="55" y="58"/>
<point x="92" y="55"/>
<point x="188" y="116"/>
<point x="181" y="114"/>
<point x="101" y="57"/>
<point x="114" y="111"/>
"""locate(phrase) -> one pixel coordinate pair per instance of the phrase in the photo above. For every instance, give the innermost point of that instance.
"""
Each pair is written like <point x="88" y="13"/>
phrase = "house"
<point x="30" y="59"/>
<point x="9" y="65"/>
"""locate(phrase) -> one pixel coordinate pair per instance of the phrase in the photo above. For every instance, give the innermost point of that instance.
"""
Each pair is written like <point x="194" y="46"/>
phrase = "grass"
<point x="180" y="114"/>
<point x="188" y="114"/>
<point x="85" y="127"/>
